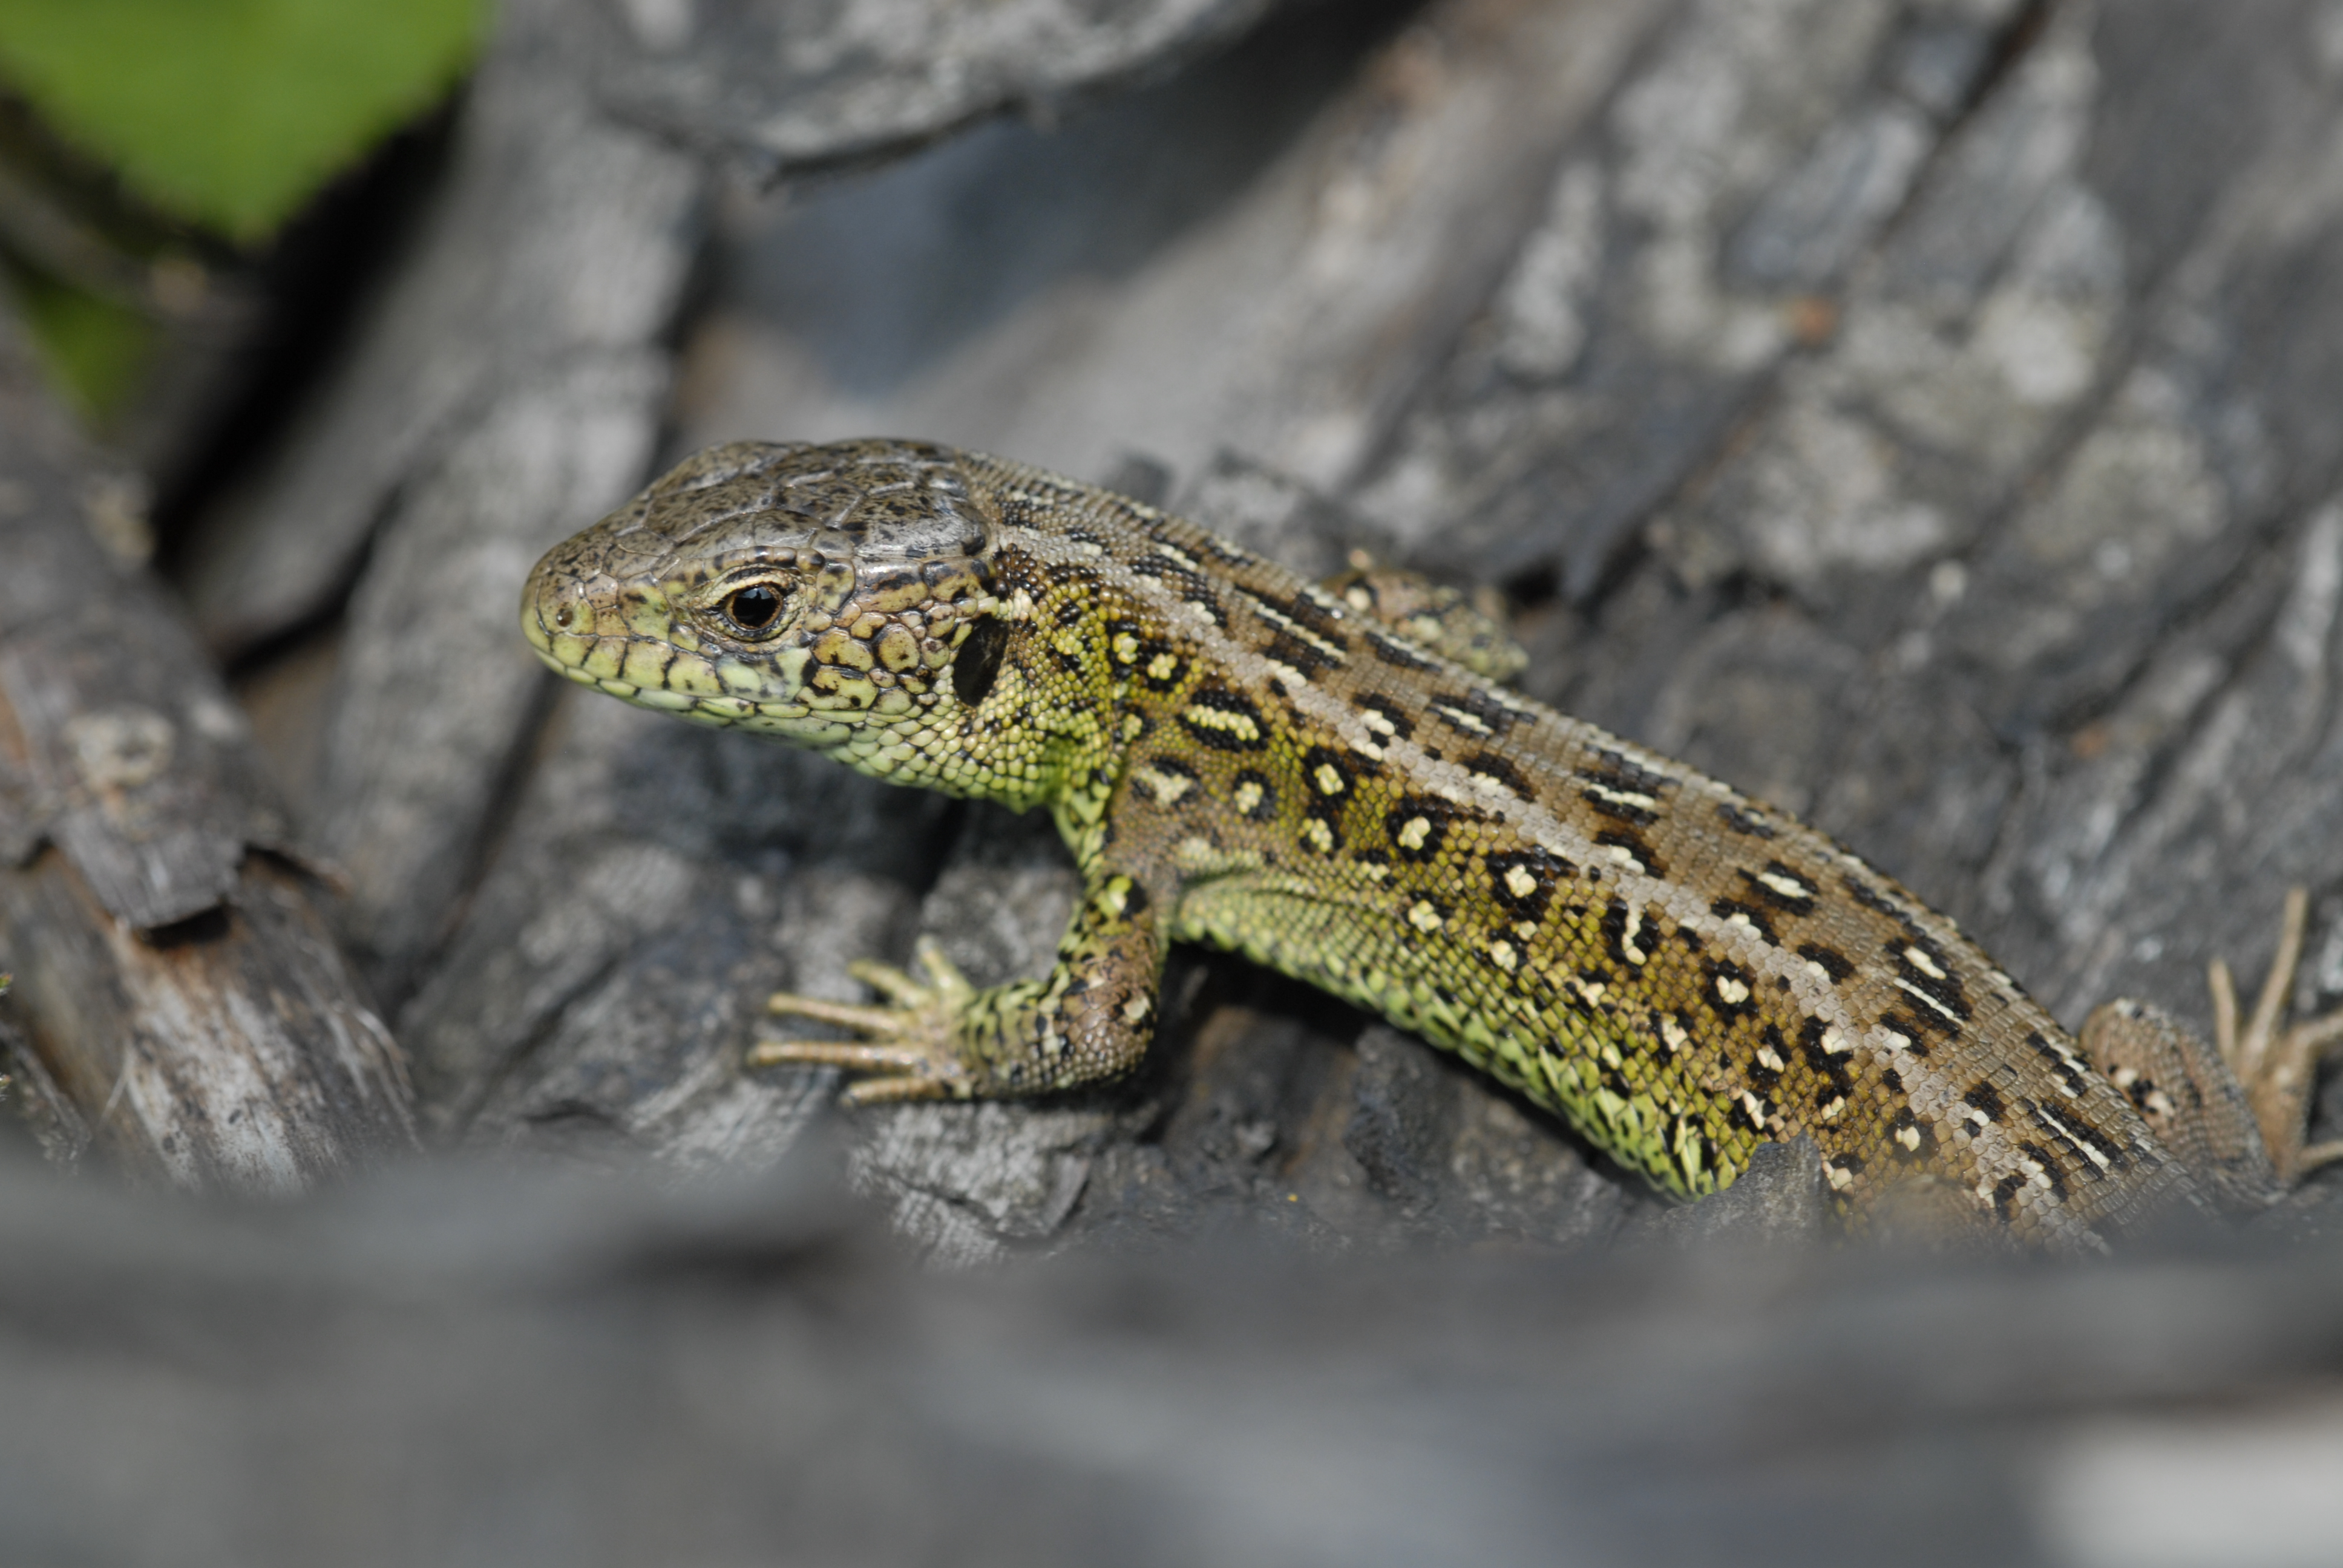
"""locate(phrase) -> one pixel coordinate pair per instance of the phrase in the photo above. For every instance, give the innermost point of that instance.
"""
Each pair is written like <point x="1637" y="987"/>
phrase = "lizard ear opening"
<point x="978" y="662"/>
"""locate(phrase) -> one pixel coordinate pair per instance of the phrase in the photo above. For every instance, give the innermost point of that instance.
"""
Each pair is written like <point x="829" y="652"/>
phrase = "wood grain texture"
<point x="176" y="980"/>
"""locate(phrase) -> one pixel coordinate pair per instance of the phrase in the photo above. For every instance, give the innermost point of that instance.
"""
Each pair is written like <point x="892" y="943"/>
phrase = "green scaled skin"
<point x="1240" y="757"/>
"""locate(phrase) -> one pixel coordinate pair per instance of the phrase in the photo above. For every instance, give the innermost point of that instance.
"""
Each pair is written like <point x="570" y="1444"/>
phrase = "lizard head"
<point x="821" y="593"/>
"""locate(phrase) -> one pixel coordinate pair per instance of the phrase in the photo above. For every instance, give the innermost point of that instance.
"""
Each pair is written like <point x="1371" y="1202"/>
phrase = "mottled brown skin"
<point x="1241" y="757"/>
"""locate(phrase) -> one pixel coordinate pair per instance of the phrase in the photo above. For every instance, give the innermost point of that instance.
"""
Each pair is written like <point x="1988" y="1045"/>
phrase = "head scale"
<point x="816" y="592"/>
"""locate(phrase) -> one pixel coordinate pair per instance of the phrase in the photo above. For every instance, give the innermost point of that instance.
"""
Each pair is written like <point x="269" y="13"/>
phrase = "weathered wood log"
<point x="175" y="977"/>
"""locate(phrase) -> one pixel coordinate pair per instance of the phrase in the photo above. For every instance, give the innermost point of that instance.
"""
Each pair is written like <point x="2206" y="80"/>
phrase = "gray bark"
<point x="783" y="89"/>
<point x="179" y="992"/>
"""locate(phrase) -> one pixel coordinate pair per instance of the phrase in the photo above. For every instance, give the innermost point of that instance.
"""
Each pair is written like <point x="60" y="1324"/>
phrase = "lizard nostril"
<point x="562" y="617"/>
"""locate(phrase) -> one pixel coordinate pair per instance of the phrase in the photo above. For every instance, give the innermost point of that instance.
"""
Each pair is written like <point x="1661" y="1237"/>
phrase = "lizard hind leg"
<point x="1467" y="627"/>
<point x="2188" y="1097"/>
<point x="2277" y="1062"/>
<point x="2235" y="1112"/>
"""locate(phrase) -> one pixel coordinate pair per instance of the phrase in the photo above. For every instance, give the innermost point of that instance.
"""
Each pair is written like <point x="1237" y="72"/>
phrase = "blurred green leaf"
<point x="231" y="113"/>
<point x="92" y="348"/>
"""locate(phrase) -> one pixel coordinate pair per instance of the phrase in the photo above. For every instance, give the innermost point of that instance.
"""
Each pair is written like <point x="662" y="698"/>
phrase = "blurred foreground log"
<point x="441" y="1369"/>
<point x="175" y="977"/>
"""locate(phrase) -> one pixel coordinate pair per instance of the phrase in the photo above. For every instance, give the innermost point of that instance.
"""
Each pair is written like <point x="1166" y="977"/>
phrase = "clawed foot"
<point x="2278" y="1065"/>
<point x="911" y="1048"/>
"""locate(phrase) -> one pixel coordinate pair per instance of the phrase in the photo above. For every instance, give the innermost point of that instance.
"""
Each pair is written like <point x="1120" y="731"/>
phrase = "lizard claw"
<point x="911" y="1046"/>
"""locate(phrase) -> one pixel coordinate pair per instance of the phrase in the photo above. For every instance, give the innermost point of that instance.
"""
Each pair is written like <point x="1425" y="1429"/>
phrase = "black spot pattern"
<point x="1635" y="846"/>
<point x="1726" y="981"/>
<point x="1833" y="962"/>
<point x="2051" y="1170"/>
<point x="1878" y="903"/>
<point x="1836" y="1080"/>
<point x="2068" y="1071"/>
<point x="1395" y="653"/>
<point x="1540" y="869"/>
<point x="1321" y="765"/>
<point x="1174" y="769"/>
<point x="1264" y="808"/>
<point x="1910" y="1139"/>
<point x="2005" y="1197"/>
<point x="1943" y="988"/>
<point x="1402" y="726"/>
<point x="1289" y="646"/>
<point x="1495" y="769"/>
<point x="1914" y="1027"/>
<point x="1776" y="890"/>
<point x="1480" y="713"/>
<point x="1615" y="916"/>
<point x="1621" y="775"/>
<point x="1190" y="586"/>
<point x="1416" y="844"/>
<point x="1223" y="738"/>
<point x="1729" y="909"/>
<point x="2078" y="1136"/>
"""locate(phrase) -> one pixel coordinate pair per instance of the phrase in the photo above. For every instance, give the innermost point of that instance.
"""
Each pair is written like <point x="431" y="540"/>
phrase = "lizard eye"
<point x="754" y="608"/>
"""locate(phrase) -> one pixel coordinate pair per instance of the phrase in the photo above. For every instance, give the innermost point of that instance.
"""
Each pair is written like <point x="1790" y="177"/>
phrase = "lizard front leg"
<point x="1089" y="1019"/>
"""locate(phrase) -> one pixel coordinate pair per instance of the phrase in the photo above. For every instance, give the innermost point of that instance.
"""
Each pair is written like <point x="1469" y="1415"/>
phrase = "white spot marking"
<point x="1165" y="787"/>
<point x="1627" y="935"/>
<point x="1627" y="798"/>
<point x="1920" y="960"/>
<point x="1908" y="989"/>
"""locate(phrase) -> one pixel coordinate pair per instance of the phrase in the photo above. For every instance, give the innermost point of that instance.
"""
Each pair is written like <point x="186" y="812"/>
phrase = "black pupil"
<point x="753" y="608"/>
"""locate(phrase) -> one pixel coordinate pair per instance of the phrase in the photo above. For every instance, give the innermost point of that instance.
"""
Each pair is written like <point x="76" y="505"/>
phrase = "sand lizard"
<point x="1241" y="757"/>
